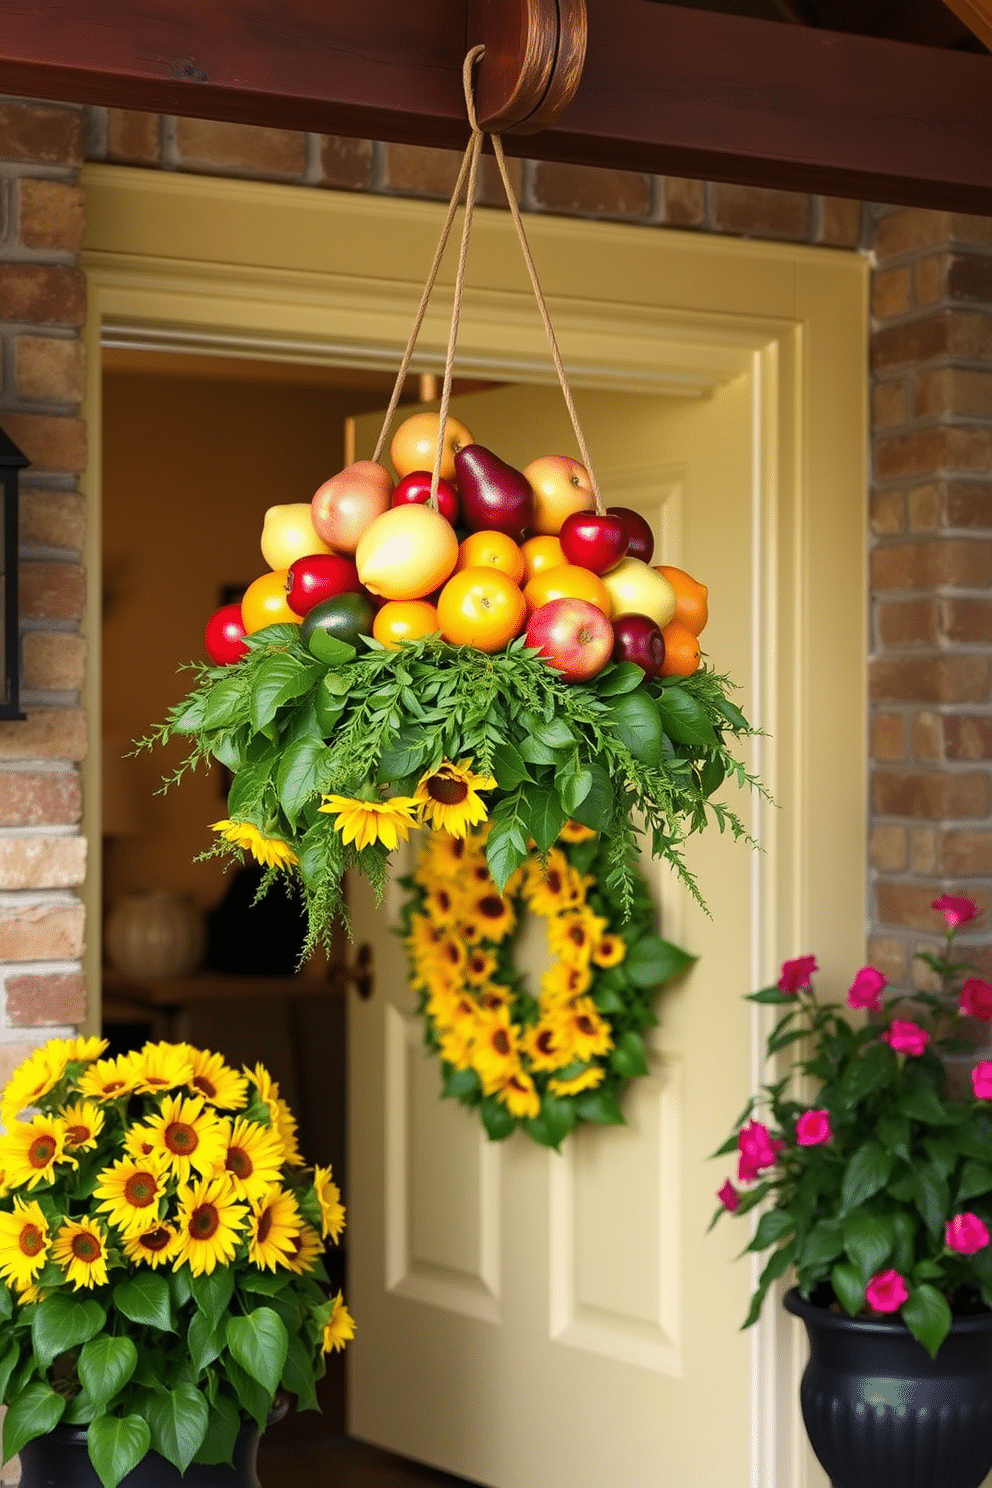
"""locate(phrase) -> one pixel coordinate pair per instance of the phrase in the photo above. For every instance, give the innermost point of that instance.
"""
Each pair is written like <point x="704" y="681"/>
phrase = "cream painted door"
<point x="527" y="1318"/>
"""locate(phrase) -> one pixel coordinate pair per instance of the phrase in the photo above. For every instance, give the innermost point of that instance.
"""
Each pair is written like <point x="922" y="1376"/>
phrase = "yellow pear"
<point x="407" y="552"/>
<point x="636" y="589"/>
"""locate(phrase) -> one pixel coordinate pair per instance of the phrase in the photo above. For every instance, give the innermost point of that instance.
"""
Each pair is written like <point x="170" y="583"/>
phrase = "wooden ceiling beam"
<point x="665" y="89"/>
<point x="977" y="16"/>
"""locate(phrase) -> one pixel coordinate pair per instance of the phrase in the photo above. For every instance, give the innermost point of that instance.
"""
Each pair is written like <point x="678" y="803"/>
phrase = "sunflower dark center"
<point x="204" y="1222"/>
<point x="444" y="900"/>
<point x="156" y="1240"/>
<point x="77" y="1135"/>
<point x="112" y="1086"/>
<point x="207" y="1087"/>
<point x="554" y="880"/>
<point x="181" y="1138"/>
<point x="264" y="1225"/>
<point x="86" y="1247"/>
<point x="501" y="1041"/>
<point x="492" y="906"/>
<point x="239" y="1163"/>
<point x="577" y="935"/>
<point x="585" y="1024"/>
<point x="446" y="792"/>
<point x="546" y="1041"/>
<point x="158" y="1082"/>
<point x="31" y="1240"/>
<point x="451" y="951"/>
<point x="41" y="1151"/>
<point x="140" y="1189"/>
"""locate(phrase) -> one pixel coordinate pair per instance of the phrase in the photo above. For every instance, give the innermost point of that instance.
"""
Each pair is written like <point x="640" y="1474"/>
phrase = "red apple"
<point x="416" y="488"/>
<point x="593" y="541"/>
<point x="573" y="636"/>
<point x="639" y="639"/>
<point x="223" y="639"/>
<point x="311" y="580"/>
<point x="345" y="506"/>
<point x="641" y="537"/>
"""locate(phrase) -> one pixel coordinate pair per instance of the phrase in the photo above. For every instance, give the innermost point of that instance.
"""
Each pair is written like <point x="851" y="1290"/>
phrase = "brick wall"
<point x="42" y="307"/>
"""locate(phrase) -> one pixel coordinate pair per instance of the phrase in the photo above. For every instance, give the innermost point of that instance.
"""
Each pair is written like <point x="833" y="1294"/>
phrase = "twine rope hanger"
<point x="470" y="168"/>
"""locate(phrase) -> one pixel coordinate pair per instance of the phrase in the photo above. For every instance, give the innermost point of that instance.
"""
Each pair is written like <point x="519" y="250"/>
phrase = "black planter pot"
<point x="60" y="1460"/>
<point x="880" y="1413"/>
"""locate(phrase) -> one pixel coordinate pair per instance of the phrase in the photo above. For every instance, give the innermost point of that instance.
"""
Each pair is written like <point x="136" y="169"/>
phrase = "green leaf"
<point x="533" y="752"/>
<point x="144" y="1298"/>
<point x="652" y="961"/>
<point x="922" y="1103"/>
<point x="867" y="1073"/>
<point x="298" y="1375"/>
<point x="903" y="1240"/>
<point x="34" y="1413"/>
<point x="223" y="703"/>
<point x="329" y="649"/>
<point x="271" y="1283"/>
<point x="180" y="1288"/>
<point x="178" y="1420"/>
<point x="893" y="1133"/>
<point x="509" y="767"/>
<point x="300" y="775"/>
<point x="848" y="1288"/>
<point x="824" y="1243"/>
<point x="498" y="1121"/>
<point x="222" y="1431"/>
<point x="867" y="1171"/>
<point x="772" y="1226"/>
<point x="732" y="714"/>
<point x="61" y="1323"/>
<point x="543" y="814"/>
<point x="556" y="733"/>
<point x="636" y="720"/>
<point x="618" y="679"/>
<point x="105" y="1365"/>
<point x="927" y="1316"/>
<point x="503" y="854"/>
<point x="204" y="1340"/>
<point x="629" y="1057"/>
<point x="6" y="1303"/>
<point x="255" y="1400"/>
<point x="573" y="787"/>
<point x="931" y="1195"/>
<point x="327" y="708"/>
<point x="259" y="1343"/>
<point x="975" y="1178"/>
<point x="9" y="1360"/>
<point x="596" y="809"/>
<point x="553" y="1125"/>
<point x="599" y="1106"/>
<point x="212" y="1293"/>
<point x="461" y="1083"/>
<point x="116" y="1445"/>
<point x="868" y="1242"/>
<point x="279" y="679"/>
<point x="683" y="719"/>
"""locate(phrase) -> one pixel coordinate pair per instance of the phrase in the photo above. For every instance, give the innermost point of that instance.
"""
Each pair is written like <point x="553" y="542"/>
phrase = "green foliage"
<point x="616" y="753"/>
<point x="900" y="1158"/>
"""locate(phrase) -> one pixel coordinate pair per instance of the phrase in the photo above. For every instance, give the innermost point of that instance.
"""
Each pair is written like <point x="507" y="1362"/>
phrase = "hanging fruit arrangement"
<point x="471" y="642"/>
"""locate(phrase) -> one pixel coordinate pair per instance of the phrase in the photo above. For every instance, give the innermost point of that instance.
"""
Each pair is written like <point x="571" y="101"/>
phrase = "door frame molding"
<point x="296" y="274"/>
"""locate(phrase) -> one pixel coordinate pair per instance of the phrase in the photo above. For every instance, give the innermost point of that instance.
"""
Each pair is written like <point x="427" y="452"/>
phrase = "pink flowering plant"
<point x="877" y="1191"/>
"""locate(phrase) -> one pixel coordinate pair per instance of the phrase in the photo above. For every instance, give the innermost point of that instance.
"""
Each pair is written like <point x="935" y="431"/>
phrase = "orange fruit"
<point x="406" y="553"/>
<point x="265" y="604"/>
<point x="404" y="620"/>
<point x="691" y="608"/>
<point x="568" y="582"/>
<point x="481" y="607"/>
<point x="681" y="650"/>
<point x="491" y="550"/>
<point x="541" y="553"/>
<point x="415" y="442"/>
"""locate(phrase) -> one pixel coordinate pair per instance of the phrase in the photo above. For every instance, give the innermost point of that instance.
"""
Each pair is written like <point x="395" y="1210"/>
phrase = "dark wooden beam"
<point x="977" y="16"/>
<point x="665" y="89"/>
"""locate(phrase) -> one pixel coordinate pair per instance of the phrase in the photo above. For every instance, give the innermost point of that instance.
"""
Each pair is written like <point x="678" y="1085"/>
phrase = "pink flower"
<point x="886" y="1292"/>
<point x="728" y="1196"/>
<point x="796" y="974"/>
<point x="981" y="1080"/>
<point x="813" y="1129"/>
<point x="956" y="909"/>
<point x="865" y="989"/>
<point x="757" y="1148"/>
<point x="976" y="999"/>
<point x="966" y="1233"/>
<point x="906" y="1038"/>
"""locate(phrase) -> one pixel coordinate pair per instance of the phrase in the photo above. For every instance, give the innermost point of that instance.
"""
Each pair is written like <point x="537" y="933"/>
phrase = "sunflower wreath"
<point x="544" y="1062"/>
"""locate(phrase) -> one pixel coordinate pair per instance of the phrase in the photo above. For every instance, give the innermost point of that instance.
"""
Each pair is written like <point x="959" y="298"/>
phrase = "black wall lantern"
<point x="12" y="462"/>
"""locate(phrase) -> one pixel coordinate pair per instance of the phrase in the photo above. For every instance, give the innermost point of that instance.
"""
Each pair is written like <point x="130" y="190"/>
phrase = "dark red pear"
<point x="641" y="536"/>
<point x="495" y="496"/>
<point x="593" y="541"/>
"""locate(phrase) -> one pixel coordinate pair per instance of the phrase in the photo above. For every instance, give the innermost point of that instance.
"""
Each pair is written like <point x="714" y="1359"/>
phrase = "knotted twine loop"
<point x="470" y="167"/>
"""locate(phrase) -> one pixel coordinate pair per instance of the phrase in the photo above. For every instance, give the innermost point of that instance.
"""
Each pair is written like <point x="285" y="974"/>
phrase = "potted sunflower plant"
<point x="876" y="1191"/>
<point x="161" y="1253"/>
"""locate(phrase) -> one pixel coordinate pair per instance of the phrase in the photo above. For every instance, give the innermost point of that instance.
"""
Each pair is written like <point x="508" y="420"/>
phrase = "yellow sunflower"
<point x="519" y="1094"/>
<point x="210" y="1221"/>
<point x="587" y="1079"/>
<point x="274" y="1228"/>
<point x="366" y="822"/>
<point x="82" y="1050"/>
<point x="80" y="1248"/>
<point x="31" y="1149"/>
<point x="108" y="1079"/>
<point x="331" y="1207"/>
<point x="449" y="955"/>
<point x="216" y="1081"/>
<point x="448" y="797"/>
<point x="554" y="886"/>
<point x="282" y="1118"/>
<point x="583" y="1026"/>
<point x="609" y="950"/>
<point x="253" y="1158"/>
<point x="188" y="1136"/>
<point x="153" y="1247"/>
<point x="548" y="1046"/>
<point x="450" y="1008"/>
<point x="271" y="852"/>
<point x="495" y="1055"/>
<point x="443" y="904"/>
<point x="492" y="996"/>
<point x="84" y="1123"/>
<point x="139" y="1143"/>
<point x="457" y="1043"/>
<point x="480" y="966"/>
<point x="561" y="982"/>
<point x="445" y="856"/>
<point x="162" y="1066"/>
<point x="493" y="914"/>
<point x="32" y="1079"/>
<point x="575" y="832"/>
<point x="572" y="935"/>
<point x="307" y="1248"/>
<point x="24" y="1243"/>
<point x="424" y="937"/>
<point x="131" y="1192"/>
<point x="339" y="1329"/>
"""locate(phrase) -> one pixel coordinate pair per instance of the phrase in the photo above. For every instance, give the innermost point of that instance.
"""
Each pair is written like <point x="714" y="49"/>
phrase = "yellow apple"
<point x="407" y="553"/>
<point x="415" y="442"/>
<point x="288" y="533"/>
<point x="636" y="589"/>
<point x="561" y="486"/>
